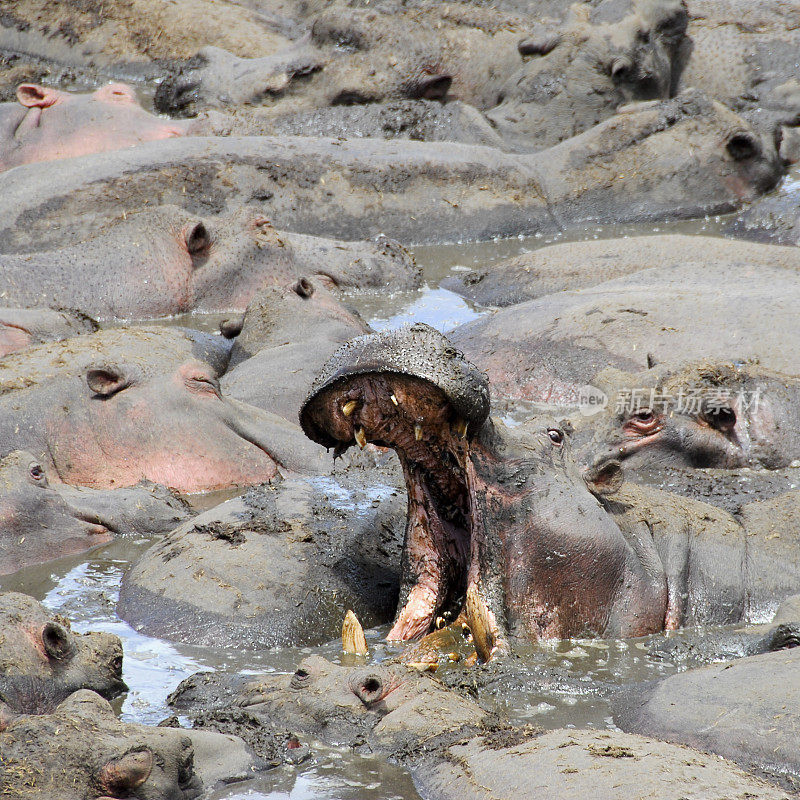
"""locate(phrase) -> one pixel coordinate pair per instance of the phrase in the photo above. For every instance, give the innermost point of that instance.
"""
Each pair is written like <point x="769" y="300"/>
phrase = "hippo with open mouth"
<point x="504" y="519"/>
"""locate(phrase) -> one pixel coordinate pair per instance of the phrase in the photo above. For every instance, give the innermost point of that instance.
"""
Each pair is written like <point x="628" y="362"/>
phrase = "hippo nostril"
<point x="197" y="239"/>
<point x="304" y="288"/>
<point x="368" y="689"/>
<point x="300" y="679"/>
<point x="742" y="146"/>
<point x="604" y="478"/>
<point x="431" y="87"/>
<point x="56" y="641"/>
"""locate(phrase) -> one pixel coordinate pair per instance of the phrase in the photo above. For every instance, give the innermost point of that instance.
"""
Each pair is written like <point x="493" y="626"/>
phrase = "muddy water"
<point x="85" y="588"/>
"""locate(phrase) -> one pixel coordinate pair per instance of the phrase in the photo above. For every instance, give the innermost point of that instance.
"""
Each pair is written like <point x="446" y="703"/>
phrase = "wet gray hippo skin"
<point x="23" y="327"/>
<point x="773" y="220"/>
<point x="166" y="261"/>
<point x="48" y="124"/>
<point x="276" y="566"/>
<point x="579" y="74"/>
<point x="547" y="349"/>
<point x="707" y="414"/>
<point x="354" y="55"/>
<point x="579" y="265"/>
<point x="40" y="521"/>
<point x="82" y="750"/>
<point x="700" y="158"/>
<point x="459" y="751"/>
<point x="43" y="661"/>
<point x="744" y="710"/>
<point x="505" y="515"/>
<point x="289" y="332"/>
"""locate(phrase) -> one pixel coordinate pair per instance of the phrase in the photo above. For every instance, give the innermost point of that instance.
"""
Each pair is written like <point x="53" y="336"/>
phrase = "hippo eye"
<point x="643" y="423"/>
<point x="722" y="418"/>
<point x="742" y="146"/>
<point x="203" y="383"/>
<point x="556" y="436"/>
<point x="37" y="473"/>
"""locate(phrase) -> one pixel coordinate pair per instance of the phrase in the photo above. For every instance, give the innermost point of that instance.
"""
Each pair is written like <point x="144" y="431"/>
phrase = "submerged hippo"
<point x="40" y="521"/>
<point x="453" y="748"/>
<point x="289" y="331"/>
<point x="580" y="265"/>
<point x="43" y="661"/>
<point x="165" y="261"/>
<point x="504" y="517"/>
<point x="580" y="73"/>
<point x="706" y="414"/>
<point x="47" y="124"/>
<point x="548" y="349"/>
<point x="744" y="710"/>
<point x="686" y="157"/>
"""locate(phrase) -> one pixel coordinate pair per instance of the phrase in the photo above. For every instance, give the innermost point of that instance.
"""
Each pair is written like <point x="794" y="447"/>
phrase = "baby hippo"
<point x="46" y="124"/>
<point x="42" y="661"/>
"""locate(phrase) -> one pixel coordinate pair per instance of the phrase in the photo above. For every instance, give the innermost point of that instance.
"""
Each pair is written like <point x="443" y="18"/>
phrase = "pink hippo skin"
<point x="48" y="124"/>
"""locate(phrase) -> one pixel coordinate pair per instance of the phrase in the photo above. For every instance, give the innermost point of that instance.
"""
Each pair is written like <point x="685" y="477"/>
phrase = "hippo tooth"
<point x="349" y="407"/>
<point x="478" y="620"/>
<point x="361" y="438"/>
<point x="461" y="428"/>
<point x="418" y="431"/>
<point x="394" y="400"/>
<point x="353" y="640"/>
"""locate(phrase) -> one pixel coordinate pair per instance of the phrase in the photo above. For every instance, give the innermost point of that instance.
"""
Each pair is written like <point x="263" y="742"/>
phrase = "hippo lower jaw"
<point x="415" y="418"/>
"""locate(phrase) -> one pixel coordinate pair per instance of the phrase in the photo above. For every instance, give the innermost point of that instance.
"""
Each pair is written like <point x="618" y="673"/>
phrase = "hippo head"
<point x="85" y="750"/>
<point x="49" y="124"/>
<point x="385" y="705"/>
<point x="44" y="661"/>
<point x="708" y="415"/>
<point x="37" y="523"/>
<point x="501" y="520"/>
<point x="122" y="425"/>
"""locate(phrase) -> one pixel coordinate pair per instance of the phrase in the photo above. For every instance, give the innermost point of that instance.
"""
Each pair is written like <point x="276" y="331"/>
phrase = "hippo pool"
<point x="85" y="588"/>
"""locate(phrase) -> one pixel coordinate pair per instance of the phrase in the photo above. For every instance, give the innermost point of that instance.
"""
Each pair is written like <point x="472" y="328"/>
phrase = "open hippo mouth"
<point x="412" y="391"/>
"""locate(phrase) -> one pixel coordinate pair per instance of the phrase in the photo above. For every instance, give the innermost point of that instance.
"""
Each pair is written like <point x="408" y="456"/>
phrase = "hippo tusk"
<point x="461" y="428"/>
<point x="418" y="431"/>
<point x="361" y="438"/>
<point x="394" y="400"/>
<point x="478" y="620"/>
<point x="353" y="640"/>
<point x="349" y="407"/>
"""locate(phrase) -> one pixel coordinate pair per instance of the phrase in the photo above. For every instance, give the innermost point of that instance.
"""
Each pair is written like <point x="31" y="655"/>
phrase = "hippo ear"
<point x="197" y="239"/>
<point x="605" y="478"/>
<point x="107" y="379"/>
<point x="56" y="641"/>
<point x="31" y="95"/>
<point x="122" y="776"/>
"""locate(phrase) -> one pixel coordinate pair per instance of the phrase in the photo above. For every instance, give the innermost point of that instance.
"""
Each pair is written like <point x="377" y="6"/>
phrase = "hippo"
<point x="581" y="73"/>
<point x="275" y="566"/>
<point x="40" y="521"/>
<point x="164" y="261"/>
<point x="706" y="414"/>
<point x="504" y="515"/>
<point x="459" y="751"/>
<point x="774" y="219"/>
<point x="43" y="661"/>
<point x="549" y="349"/>
<point x="701" y="158"/>
<point x="288" y="333"/>
<point x="47" y="124"/>
<point x="23" y="327"/>
<point x="152" y="349"/>
<point x="115" y="425"/>
<point x="744" y="710"/>
<point x="357" y="56"/>
<point x="580" y="265"/>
